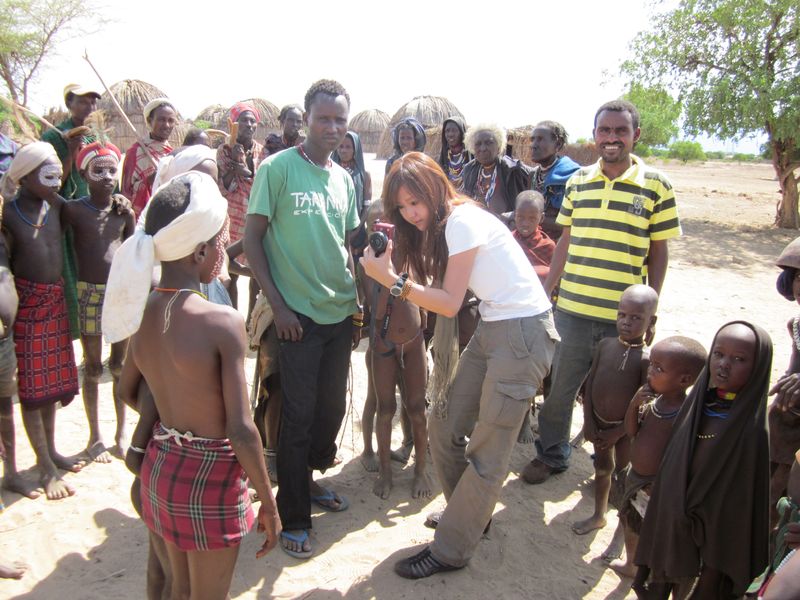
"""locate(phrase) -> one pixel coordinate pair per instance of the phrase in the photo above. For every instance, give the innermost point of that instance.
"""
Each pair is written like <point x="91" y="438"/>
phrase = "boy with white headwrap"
<point x="32" y="225"/>
<point x="195" y="452"/>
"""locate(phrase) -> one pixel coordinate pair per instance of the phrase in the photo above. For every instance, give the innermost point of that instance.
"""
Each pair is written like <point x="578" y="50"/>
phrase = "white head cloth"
<point x="183" y="161"/>
<point x="155" y="102"/>
<point x="132" y="268"/>
<point x="27" y="159"/>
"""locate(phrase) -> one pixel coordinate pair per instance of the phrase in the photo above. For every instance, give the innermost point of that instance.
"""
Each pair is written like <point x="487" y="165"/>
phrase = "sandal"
<point x="421" y="565"/>
<point x="297" y="539"/>
<point x="331" y="501"/>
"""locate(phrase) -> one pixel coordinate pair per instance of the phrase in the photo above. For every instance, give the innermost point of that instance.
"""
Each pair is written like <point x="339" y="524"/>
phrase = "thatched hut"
<point x="431" y="111"/>
<point x="370" y="125"/>
<point x="132" y="95"/>
<point x="214" y="114"/>
<point x="519" y="146"/>
<point x="269" y="118"/>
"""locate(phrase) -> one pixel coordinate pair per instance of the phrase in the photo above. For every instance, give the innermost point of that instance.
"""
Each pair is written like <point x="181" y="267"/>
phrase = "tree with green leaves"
<point x="659" y="113"/>
<point x="30" y="30"/>
<point x="736" y="67"/>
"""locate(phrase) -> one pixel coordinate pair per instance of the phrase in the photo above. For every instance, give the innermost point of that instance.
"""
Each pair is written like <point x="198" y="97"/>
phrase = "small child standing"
<point x="396" y="352"/>
<point x="708" y="514"/>
<point x="100" y="223"/>
<point x="32" y="224"/>
<point x="538" y="247"/>
<point x="675" y="363"/>
<point x="784" y="412"/>
<point x="618" y="369"/>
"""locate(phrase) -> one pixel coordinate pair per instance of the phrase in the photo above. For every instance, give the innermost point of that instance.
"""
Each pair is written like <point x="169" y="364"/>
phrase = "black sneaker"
<point x="421" y="565"/>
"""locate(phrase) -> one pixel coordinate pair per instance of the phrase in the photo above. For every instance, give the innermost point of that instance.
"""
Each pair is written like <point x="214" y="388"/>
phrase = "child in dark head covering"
<point x="784" y="413"/>
<point x="709" y="515"/>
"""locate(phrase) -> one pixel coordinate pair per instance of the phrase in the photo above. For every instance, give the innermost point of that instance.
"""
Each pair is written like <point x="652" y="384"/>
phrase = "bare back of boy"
<point x="398" y="348"/>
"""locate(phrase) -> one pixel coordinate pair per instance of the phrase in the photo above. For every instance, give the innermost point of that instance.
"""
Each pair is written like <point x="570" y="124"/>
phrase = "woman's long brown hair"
<point x="424" y="252"/>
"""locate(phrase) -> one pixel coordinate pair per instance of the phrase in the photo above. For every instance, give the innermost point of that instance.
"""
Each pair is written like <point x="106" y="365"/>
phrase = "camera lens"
<point x="378" y="241"/>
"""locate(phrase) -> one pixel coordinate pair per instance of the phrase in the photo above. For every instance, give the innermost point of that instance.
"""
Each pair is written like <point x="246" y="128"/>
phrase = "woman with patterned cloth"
<point x="492" y="178"/>
<point x="454" y="155"/>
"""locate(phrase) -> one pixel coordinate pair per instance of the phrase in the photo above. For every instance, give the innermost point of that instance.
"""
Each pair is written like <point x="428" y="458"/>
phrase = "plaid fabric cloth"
<point x="139" y="169"/>
<point x="46" y="363"/>
<point x="238" y="192"/>
<point x="90" y="307"/>
<point x="194" y="491"/>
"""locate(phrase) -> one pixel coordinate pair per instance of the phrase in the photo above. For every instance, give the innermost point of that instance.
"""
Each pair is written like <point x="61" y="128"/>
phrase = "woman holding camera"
<point x="451" y="240"/>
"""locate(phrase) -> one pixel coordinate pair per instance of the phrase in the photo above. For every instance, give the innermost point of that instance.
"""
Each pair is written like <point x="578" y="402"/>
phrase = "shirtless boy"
<point x="32" y="224"/>
<point x="100" y="223"/>
<point x="675" y="364"/>
<point x="191" y="353"/>
<point x="397" y="351"/>
<point x="619" y="368"/>
<point x="369" y="459"/>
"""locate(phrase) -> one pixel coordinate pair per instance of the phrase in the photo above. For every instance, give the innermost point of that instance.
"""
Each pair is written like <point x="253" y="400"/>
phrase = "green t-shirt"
<point x="310" y="211"/>
<point x="74" y="186"/>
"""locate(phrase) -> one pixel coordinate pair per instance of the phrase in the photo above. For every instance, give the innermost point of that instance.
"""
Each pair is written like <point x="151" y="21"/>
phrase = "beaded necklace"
<point x="719" y="408"/>
<point x="486" y="184"/>
<point x="662" y="415"/>
<point x="628" y="347"/>
<point x="796" y="332"/>
<point x="328" y="163"/>
<point x="168" y="309"/>
<point x="28" y="221"/>
<point x="92" y="206"/>
<point x="455" y="164"/>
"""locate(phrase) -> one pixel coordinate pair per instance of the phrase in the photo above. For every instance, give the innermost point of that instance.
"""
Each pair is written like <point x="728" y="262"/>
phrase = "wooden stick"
<point x="27" y="110"/>
<point x="120" y="111"/>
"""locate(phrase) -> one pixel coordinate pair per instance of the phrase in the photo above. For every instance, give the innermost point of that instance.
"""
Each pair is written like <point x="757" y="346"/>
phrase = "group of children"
<point x="694" y="477"/>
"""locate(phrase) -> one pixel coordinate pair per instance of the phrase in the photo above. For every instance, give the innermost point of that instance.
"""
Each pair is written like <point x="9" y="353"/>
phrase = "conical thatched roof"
<point x="431" y="111"/>
<point x="269" y="118"/>
<point x="214" y="114"/>
<point x="132" y="95"/>
<point x="370" y="125"/>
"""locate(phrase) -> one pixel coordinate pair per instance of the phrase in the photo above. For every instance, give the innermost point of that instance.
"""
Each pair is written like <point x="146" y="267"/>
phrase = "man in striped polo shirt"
<point x="617" y="216"/>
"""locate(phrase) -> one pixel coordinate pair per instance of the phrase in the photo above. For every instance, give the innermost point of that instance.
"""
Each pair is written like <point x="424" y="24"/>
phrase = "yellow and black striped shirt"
<point x="611" y="226"/>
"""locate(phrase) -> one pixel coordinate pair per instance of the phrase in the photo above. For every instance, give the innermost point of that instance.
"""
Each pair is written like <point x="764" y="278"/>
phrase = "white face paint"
<point x="50" y="175"/>
<point x="103" y="167"/>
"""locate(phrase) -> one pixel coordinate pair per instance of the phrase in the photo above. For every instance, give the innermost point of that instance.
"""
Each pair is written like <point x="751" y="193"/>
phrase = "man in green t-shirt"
<point x="302" y="210"/>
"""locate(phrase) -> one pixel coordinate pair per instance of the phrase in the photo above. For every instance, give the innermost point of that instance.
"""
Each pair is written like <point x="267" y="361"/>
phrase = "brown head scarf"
<point x="720" y="516"/>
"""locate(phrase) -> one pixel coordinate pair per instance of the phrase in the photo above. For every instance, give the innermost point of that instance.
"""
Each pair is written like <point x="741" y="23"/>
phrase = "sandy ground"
<point x="92" y="545"/>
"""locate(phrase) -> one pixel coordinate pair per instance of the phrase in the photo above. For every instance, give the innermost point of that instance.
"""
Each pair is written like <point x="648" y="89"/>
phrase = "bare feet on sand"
<point x="383" y="486"/>
<point x="525" y="432"/>
<point x="589" y="525"/>
<point x="17" y="483"/>
<point x="422" y="486"/>
<point x="68" y="463"/>
<point x="623" y="568"/>
<point x="403" y="453"/>
<point x="616" y="545"/>
<point x="14" y="570"/>
<point x="56" y="488"/>
<point x="370" y="462"/>
<point x="97" y="452"/>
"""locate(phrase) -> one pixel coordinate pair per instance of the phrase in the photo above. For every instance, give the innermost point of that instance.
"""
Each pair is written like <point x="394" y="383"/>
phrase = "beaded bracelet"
<point x="407" y="284"/>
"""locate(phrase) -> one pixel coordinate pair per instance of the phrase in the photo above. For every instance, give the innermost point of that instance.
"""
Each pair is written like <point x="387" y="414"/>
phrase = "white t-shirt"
<point x="502" y="277"/>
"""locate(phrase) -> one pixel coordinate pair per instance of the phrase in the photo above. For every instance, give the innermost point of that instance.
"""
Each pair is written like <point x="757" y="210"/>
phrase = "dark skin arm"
<point x="287" y="324"/>
<point x="787" y="389"/>
<point x="242" y="432"/>
<point x="657" y="262"/>
<point x="234" y="266"/>
<point x="643" y="395"/>
<point x="589" y="426"/>
<point x="352" y="268"/>
<point x="558" y="262"/>
<point x="148" y="415"/>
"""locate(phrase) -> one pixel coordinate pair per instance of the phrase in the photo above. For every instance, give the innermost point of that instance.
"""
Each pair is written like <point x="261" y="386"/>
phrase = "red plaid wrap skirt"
<point x="46" y="363"/>
<point x="194" y="491"/>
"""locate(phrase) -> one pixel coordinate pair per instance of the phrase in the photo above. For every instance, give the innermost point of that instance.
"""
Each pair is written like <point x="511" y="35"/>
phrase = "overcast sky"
<point x="514" y="62"/>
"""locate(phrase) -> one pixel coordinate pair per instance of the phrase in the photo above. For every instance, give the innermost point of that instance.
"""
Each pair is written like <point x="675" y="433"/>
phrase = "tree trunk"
<point x="787" y="214"/>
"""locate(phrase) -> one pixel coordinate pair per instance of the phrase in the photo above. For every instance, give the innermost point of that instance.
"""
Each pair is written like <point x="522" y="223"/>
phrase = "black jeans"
<point x="314" y="384"/>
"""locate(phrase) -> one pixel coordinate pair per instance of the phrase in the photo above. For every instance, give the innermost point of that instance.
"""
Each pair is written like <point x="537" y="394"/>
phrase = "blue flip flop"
<point x="297" y="539"/>
<point x="330" y="496"/>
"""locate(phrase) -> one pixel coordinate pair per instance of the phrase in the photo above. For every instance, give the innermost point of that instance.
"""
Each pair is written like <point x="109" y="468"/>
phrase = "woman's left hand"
<point x="380" y="267"/>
